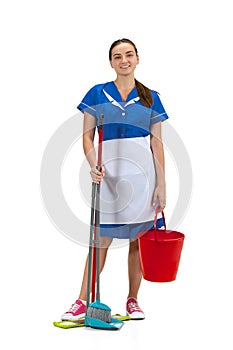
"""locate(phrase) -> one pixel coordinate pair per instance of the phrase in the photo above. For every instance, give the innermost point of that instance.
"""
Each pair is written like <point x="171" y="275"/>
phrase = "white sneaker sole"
<point x="70" y="317"/>
<point x="136" y="316"/>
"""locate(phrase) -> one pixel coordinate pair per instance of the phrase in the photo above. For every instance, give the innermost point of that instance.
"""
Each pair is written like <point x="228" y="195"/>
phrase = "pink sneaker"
<point x="77" y="311"/>
<point x="133" y="310"/>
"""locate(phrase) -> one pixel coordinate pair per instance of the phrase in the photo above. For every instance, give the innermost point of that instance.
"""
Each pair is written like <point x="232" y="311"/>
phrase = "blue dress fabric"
<point x="130" y="177"/>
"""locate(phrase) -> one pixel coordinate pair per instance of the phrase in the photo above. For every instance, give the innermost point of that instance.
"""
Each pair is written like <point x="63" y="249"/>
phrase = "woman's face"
<point x="124" y="59"/>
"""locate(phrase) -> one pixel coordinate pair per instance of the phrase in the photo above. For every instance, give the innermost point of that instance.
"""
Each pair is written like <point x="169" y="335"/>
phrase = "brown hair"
<point x="143" y="92"/>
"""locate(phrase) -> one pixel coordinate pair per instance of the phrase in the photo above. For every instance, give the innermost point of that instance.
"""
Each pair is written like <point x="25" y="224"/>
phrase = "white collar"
<point x="118" y="104"/>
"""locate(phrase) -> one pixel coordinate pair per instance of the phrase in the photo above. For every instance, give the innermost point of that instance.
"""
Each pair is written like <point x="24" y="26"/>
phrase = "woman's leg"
<point x="135" y="276"/>
<point x="105" y="242"/>
<point x="134" y="269"/>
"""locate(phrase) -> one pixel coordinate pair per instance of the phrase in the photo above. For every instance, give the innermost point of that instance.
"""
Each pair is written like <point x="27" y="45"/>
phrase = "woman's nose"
<point x="124" y="58"/>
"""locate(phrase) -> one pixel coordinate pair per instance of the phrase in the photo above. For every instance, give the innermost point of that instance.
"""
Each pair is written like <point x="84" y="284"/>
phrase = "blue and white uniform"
<point x="130" y="178"/>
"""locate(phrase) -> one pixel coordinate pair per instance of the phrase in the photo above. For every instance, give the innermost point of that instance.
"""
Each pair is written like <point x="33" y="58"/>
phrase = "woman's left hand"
<point x="160" y="196"/>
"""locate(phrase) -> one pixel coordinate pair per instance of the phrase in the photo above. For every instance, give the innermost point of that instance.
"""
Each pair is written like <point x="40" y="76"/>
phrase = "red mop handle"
<point x="99" y="161"/>
<point x="99" y="166"/>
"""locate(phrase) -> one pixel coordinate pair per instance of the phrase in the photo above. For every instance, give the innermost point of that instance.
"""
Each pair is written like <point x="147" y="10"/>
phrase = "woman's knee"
<point x="105" y="242"/>
<point x="133" y="245"/>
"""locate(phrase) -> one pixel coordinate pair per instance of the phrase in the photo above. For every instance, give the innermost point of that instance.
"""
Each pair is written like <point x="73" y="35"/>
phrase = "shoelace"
<point x="74" y="307"/>
<point x="134" y="306"/>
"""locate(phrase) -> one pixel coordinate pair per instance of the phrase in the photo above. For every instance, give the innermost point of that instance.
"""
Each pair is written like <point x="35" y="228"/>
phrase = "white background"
<point x="52" y="52"/>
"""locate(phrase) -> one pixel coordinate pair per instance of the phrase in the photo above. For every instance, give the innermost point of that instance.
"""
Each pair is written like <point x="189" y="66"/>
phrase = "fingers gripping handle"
<point x="157" y="210"/>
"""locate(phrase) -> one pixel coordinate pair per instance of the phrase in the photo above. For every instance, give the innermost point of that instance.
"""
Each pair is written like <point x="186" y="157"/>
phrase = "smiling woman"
<point x="123" y="57"/>
<point x="134" y="181"/>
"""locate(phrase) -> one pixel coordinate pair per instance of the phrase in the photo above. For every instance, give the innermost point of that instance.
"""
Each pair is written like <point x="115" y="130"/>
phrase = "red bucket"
<point x="160" y="252"/>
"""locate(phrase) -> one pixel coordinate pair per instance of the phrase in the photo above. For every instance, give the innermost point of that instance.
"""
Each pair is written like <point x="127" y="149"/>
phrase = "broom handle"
<point x="96" y="251"/>
<point x="90" y="259"/>
<point x="98" y="243"/>
<point x="99" y="167"/>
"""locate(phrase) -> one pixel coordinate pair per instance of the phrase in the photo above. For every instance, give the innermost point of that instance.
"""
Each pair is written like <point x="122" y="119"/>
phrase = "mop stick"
<point x="97" y="189"/>
<point x="90" y="255"/>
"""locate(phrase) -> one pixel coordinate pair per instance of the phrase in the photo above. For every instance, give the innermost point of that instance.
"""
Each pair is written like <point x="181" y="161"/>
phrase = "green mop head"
<point x="99" y="311"/>
<point x="69" y="324"/>
<point x="80" y="322"/>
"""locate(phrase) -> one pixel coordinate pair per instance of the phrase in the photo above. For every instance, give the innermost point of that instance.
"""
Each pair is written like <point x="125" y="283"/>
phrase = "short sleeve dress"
<point x="130" y="177"/>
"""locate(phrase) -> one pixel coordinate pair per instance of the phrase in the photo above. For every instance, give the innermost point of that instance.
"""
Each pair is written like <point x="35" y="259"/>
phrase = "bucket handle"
<point x="157" y="210"/>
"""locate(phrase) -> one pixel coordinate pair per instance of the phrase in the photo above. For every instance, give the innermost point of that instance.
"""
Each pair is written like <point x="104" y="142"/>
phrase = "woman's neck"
<point x="125" y="82"/>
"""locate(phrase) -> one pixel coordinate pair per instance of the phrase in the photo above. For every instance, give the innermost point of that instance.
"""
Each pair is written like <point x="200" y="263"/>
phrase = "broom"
<point x="96" y="310"/>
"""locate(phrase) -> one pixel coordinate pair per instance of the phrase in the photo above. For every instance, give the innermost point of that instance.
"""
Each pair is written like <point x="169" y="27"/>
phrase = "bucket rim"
<point x="151" y="236"/>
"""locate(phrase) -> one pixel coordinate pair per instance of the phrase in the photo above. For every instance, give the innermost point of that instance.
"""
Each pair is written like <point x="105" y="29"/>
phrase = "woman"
<point x="132" y="179"/>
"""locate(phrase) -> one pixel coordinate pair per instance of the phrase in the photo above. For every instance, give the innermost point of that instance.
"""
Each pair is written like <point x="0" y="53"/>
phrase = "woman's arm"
<point x="157" y="149"/>
<point x="89" y="126"/>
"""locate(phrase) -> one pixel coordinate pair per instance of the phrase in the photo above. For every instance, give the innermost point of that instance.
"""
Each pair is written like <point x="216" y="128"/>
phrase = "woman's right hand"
<point x="96" y="175"/>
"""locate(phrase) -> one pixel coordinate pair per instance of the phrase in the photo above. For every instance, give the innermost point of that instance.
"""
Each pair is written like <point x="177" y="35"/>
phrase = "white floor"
<point x="189" y="313"/>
